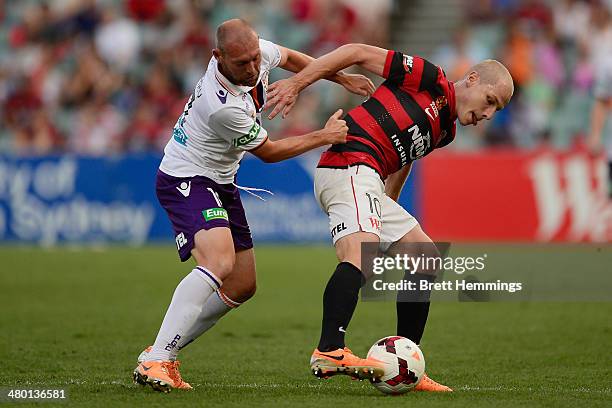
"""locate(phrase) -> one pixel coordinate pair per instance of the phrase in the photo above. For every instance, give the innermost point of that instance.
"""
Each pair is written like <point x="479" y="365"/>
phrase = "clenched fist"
<point x="335" y="129"/>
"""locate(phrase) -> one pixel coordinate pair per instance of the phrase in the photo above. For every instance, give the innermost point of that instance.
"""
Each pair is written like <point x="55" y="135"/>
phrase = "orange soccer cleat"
<point x="156" y="374"/>
<point x="427" y="384"/>
<point x="343" y="361"/>
<point x="176" y="376"/>
<point x="160" y="375"/>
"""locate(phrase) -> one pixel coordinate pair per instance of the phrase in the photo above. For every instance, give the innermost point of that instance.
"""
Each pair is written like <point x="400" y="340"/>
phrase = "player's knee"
<point x="221" y="264"/>
<point x="352" y="256"/>
<point x="348" y="249"/>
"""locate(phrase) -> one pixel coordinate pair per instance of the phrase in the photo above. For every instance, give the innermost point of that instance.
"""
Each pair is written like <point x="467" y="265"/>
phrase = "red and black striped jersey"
<point x="410" y="114"/>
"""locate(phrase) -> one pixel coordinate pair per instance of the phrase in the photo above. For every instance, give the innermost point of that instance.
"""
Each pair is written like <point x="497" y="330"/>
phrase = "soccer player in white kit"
<point x="195" y="185"/>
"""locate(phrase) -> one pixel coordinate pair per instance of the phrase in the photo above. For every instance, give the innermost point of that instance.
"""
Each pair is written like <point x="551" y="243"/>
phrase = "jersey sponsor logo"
<point x="338" y="228"/>
<point x="184" y="188"/>
<point x="215" y="214"/>
<point x="420" y="143"/>
<point x="181" y="240"/>
<point x="397" y="145"/>
<point x="180" y="136"/>
<point x="222" y="95"/>
<point x="408" y="61"/>
<point x="248" y="138"/>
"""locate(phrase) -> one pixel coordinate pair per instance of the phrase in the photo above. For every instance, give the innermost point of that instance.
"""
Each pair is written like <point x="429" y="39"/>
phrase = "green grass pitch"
<point x="77" y="319"/>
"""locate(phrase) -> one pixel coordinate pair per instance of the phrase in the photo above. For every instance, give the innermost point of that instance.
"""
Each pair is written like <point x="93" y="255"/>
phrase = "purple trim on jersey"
<point x="186" y="199"/>
<point x="212" y="278"/>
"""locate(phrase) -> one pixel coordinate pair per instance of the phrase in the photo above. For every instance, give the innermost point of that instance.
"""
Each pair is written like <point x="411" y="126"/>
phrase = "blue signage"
<point x="82" y="200"/>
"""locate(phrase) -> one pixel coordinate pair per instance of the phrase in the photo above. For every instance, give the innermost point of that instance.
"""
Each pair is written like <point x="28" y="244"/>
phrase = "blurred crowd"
<point x="99" y="77"/>
<point x="557" y="51"/>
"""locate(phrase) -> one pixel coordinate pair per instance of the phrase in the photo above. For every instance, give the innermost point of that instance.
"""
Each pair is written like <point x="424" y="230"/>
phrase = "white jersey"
<point x="221" y="121"/>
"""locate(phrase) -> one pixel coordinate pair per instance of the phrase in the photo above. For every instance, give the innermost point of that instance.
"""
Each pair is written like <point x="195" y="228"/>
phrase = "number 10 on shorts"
<point x="374" y="205"/>
<point x="375" y="210"/>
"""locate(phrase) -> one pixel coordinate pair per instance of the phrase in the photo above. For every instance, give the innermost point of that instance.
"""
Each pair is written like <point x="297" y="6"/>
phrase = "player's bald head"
<point x="233" y="33"/>
<point x="237" y="52"/>
<point x="486" y="88"/>
<point x="492" y="72"/>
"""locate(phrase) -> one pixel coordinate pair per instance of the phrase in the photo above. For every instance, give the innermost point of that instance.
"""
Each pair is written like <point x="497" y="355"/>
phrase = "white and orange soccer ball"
<point x="404" y="364"/>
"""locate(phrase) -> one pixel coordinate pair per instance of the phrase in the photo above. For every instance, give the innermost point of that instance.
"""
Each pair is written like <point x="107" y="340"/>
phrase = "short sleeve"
<point x="270" y="53"/>
<point x="410" y="72"/>
<point x="238" y="128"/>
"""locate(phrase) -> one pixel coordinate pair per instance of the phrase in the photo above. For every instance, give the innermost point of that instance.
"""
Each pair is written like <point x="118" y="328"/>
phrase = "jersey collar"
<point x="230" y="87"/>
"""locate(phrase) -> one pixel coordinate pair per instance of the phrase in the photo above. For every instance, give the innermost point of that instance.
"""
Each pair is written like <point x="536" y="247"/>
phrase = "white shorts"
<point x="355" y="200"/>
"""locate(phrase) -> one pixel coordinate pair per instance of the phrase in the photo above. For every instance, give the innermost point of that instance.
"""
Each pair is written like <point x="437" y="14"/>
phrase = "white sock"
<point x="185" y="308"/>
<point x="215" y="308"/>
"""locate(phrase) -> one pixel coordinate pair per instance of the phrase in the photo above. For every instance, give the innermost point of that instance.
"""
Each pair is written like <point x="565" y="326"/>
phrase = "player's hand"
<point x="335" y="129"/>
<point x="357" y="84"/>
<point x="283" y="94"/>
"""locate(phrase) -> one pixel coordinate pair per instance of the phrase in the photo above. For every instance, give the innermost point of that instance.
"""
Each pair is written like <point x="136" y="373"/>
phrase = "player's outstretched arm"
<point x="395" y="182"/>
<point x="295" y="61"/>
<point x="334" y="132"/>
<point x="284" y="93"/>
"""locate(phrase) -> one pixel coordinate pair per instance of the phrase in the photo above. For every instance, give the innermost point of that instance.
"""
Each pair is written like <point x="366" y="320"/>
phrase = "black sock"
<point x="413" y="308"/>
<point x="339" y="303"/>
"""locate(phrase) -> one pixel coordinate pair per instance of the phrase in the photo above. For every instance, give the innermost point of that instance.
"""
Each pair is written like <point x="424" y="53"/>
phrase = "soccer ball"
<point x="404" y="364"/>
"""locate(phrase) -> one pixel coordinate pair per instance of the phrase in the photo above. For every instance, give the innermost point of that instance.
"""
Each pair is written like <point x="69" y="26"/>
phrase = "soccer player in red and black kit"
<point x="357" y="184"/>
